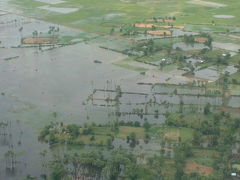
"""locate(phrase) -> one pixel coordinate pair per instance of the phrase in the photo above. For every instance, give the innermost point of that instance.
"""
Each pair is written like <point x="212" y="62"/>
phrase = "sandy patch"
<point x="224" y="16"/>
<point x="172" y="135"/>
<point x="2" y="13"/>
<point x="233" y="36"/>
<point x="40" y="40"/>
<point x="160" y="32"/>
<point x="227" y="46"/>
<point x="201" y="39"/>
<point x="51" y="1"/>
<point x="176" y="27"/>
<point x="174" y="13"/>
<point x="194" y="167"/>
<point x="207" y="3"/>
<point x="59" y="10"/>
<point x="144" y="25"/>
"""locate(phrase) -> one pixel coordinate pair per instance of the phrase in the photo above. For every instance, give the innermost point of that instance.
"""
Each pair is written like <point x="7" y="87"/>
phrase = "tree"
<point x="146" y="125"/>
<point x="137" y="124"/>
<point x="28" y="177"/>
<point x="92" y="138"/>
<point x="111" y="31"/>
<point x="52" y="139"/>
<point x="136" y="172"/>
<point x="179" y="172"/>
<point x="58" y="171"/>
<point x="189" y="39"/>
<point x="35" y="33"/>
<point x="147" y="138"/>
<point x="196" y="138"/>
<point x="116" y="165"/>
<point x="207" y="108"/>
<point x="133" y="139"/>
<point x="73" y="130"/>
<point x="181" y="105"/>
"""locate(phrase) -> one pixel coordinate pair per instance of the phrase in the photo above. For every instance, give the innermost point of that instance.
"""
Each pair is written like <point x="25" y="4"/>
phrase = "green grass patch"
<point x="102" y="130"/>
<point x="235" y="78"/>
<point x="173" y="134"/>
<point x="235" y="59"/>
<point x="96" y="14"/>
<point x="124" y="64"/>
<point x="170" y="67"/>
<point x="205" y="157"/>
<point x="125" y="131"/>
<point x="236" y="166"/>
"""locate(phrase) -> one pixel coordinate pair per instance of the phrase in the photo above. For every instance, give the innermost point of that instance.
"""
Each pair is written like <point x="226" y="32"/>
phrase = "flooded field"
<point x="35" y="83"/>
<point x="96" y="73"/>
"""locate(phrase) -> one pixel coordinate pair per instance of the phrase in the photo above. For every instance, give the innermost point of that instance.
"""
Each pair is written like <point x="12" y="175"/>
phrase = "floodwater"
<point x="59" y="10"/>
<point x="21" y="139"/>
<point x="187" y="47"/>
<point x="212" y="73"/>
<point x="13" y="28"/>
<point x="234" y="101"/>
<point x="34" y="84"/>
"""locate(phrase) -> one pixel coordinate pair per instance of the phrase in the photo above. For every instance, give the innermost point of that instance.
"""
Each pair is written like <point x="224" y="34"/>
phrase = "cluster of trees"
<point x="219" y="131"/>
<point x="51" y="133"/>
<point x="209" y="41"/>
<point x="52" y="30"/>
<point x="164" y="18"/>
<point x="58" y="133"/>
<point x="190" y="39"/>
<point x="94" y="165"/>
<point x="147" y="47"/>
<point x="120" y="164"/>
<point x="128" y="30"/>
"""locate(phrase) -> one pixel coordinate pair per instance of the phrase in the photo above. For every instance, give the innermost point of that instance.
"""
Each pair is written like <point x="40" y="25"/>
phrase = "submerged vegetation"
<point x="188" y="147"/>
